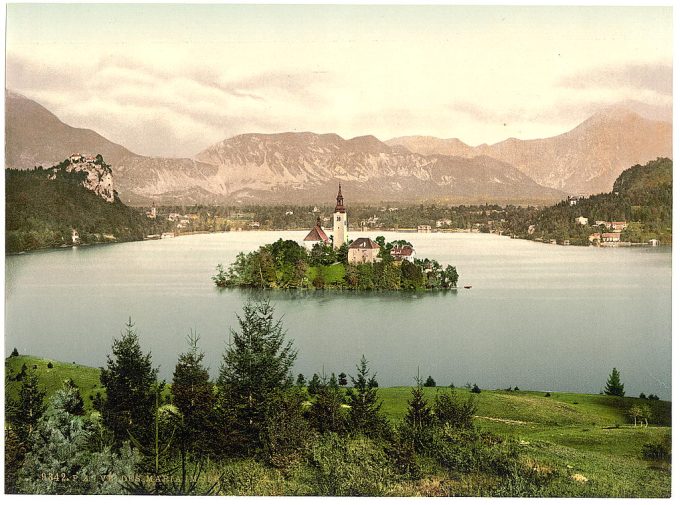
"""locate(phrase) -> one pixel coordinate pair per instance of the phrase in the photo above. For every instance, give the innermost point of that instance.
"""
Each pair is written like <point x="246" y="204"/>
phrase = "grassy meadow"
<point x="587" y="441"/>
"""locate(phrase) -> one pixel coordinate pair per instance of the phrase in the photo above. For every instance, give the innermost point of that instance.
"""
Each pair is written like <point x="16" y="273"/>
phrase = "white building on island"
<point x="340" y="235"/>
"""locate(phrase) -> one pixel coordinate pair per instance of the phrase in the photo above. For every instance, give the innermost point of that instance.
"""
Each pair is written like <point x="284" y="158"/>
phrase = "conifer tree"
<point x="314" y="384"/>
<point x="419" y="414"/>
<point x="129" y="378"/>
<point x="25" y="412"/>
<point x="256" y="367"/>
<point x="614" y="386"/>
<point x="326" y="413"/>
<point x="364" y="414"/>
<point x="193" y="395"/>
<point x="60" y="445"/>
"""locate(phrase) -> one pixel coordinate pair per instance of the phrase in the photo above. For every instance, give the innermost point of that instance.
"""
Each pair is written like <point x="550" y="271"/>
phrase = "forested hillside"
<point x="42" y="206"/>
<point x="642" y="196"/>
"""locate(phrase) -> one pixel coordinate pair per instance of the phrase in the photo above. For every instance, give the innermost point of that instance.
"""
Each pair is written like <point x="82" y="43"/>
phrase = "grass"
<point x="331" y="274"/>
<point x="52" y="379"/>
<point x="572" y="433"/>
<point x="566" y="433"/>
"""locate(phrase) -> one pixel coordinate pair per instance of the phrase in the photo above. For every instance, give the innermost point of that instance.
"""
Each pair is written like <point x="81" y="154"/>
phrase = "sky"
<point x="171" y="80"/>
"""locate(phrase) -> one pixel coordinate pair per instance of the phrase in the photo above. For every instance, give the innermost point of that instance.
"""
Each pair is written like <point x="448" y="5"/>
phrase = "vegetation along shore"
<point x="256" y="430"/>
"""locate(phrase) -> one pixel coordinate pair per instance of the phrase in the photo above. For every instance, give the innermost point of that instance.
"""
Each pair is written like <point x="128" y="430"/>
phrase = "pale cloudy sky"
<point x="172" y="79"/>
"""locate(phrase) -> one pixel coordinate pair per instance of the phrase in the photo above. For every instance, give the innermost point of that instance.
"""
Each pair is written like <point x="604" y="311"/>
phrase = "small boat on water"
<point x="467" y="287"/>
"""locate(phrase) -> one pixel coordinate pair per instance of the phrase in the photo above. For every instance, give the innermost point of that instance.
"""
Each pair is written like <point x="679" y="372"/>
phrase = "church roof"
<point x="317" y="234"/>
<point x="364" y="243"/>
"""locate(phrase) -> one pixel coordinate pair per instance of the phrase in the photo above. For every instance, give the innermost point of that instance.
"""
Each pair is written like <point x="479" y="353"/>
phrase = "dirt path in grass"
<point x="506" y="421"/>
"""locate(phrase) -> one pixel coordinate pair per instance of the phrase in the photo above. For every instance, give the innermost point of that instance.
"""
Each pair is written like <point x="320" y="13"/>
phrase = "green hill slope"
<point x="41" y="211"/>
<point x="641" y="196"/>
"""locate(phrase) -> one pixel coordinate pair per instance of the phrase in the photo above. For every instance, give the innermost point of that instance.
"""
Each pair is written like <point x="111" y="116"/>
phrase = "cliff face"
<point x="98" y="175"/>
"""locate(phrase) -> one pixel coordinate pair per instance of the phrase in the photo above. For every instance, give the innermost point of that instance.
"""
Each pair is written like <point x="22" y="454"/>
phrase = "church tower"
<point x="339" y="221"/>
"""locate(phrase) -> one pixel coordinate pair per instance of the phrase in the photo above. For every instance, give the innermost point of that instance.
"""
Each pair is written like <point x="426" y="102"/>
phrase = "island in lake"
<point x="323" y="262"/>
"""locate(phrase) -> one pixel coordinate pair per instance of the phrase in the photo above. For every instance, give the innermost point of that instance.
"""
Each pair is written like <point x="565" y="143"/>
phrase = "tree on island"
<point x="256" y="368"/>
<point x="614" y="386"/>
<point x="130" y="379"/>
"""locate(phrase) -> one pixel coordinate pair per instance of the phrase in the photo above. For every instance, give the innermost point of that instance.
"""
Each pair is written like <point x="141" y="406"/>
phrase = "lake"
<point x="538" y="316"/>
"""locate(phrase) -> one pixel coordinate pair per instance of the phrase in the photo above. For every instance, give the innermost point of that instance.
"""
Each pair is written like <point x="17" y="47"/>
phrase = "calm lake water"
<point x="538" y="316"/>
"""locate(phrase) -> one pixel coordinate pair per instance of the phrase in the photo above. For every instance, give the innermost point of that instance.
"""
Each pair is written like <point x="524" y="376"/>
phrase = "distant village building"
<point x="151" y="213"/>
<point x="583" y="221"/>
<point x="76" y="158"/>
<point x="531" y="229"/>
<point x="618" y="225"/>
<point x="401" y="253"/>
<point x="443" y="222"/>
<point x="573" y="200"/>
<point x="611" y="237"/>
<point x="594" y="237"/>
<point x="315" y="236"/>
<point x="363" y="250"/>
<point x="613" y="225"/>
<point x="75" y="238"/>
<point x="653" y="242"/>
<point x="167" y="234"/>
<point x="424" y="228"/>
<point x="340" y="234"/>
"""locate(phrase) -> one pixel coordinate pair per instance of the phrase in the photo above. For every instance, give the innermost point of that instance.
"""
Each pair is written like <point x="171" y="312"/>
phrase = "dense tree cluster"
<point x="641" y="196"/>
<point x="42" y="206"/>
<point x="287" y="265"/>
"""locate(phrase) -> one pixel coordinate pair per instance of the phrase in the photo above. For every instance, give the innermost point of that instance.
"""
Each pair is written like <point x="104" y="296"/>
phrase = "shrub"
<point x="250" y="478"/>
<point x="349" y="467"/>
<point x="475" y="389"/>
<point x="50" y="365"/>
<point x="15" y="353"/>
<point x="286" y="432"/>
<point x="429" y="382"/>
<point x="451" y="409"/>
<point x="659" y="451"/>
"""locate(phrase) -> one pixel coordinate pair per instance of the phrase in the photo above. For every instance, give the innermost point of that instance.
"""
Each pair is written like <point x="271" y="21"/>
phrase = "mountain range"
<point x="306" y="167"/>
<point x="585" y="160"/>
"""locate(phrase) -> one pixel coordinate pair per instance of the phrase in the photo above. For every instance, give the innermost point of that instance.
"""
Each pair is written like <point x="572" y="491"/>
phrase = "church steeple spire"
<point x="340" y="201"/>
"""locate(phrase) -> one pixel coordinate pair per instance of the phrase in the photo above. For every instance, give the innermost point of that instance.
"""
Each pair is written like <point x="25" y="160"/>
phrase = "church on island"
<point x="362" y="250"/>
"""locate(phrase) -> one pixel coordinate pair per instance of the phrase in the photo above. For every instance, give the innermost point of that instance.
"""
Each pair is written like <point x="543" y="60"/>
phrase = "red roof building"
<point x="403" y="253"/>
<point x="315" y="235"/>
